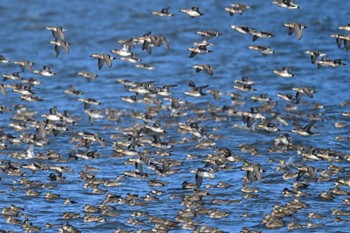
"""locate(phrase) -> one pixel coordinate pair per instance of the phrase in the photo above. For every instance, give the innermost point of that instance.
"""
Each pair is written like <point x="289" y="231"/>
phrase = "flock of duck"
<point x="174" y="144"/>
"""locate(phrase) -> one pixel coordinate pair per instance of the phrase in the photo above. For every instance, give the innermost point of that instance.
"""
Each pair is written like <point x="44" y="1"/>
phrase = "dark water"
<point x="96" y="27"/>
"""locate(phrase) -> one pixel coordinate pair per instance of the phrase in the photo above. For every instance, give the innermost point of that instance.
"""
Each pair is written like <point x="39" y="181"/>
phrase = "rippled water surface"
<point x="96" y="27"/>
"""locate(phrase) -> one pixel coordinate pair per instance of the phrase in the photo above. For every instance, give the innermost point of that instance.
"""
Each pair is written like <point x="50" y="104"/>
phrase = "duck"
<point x="345" y="27"/>
<point x="303" y="131"/>
<point x="202" y="49"/>
<point x="93" y="218"/>
<point x="29" y="227"/>
<point x="195" y="91"/>
<point x="165" y="90"/>
<point x="32" y="193"/>
<point x="163" y="12"/>
<point x="205" y="67"/>
<point x="315" y="54"/>
<point x="204" y="42"/>
<point x="193" y="12"/>
<point x="60" y="43"/>
<point x="149" y="41"/>
<point x="246" y="230"/>
<point x="89" y="101"/>
<point x="249" y="117"/>
<point x="88" y="75"/>
<point x="25" y="64"/>
<point x="70" y="215"/>
<point x="145" y="66"/>
<point x="236" y="8"/>
<point x="295" y="27"/>
<point x="245" y="80"/>
<point x="31" y="98"/>
<point x="200" y="174"/>
<point x="57" y="32"/>
<point x="52" y="196"/>
<point x="338" y="212"/>
<point x="254" y="171"/>
<point x="13" y="76"/>
<point x="339" y="38"/>
<point x="260" y="34"/>
<point x="268" y="126"/>
<point x="303" y="90"/>
<point x="245" y="87"/>
<point x="103" y="58"/>
<point x="285" y="72"/>
<point x="209" y="33"/>
<point x="125" y="49"/>
<point x="46" y="71"/>
<point x="132" y="58"/>
<point x="289" y="4"/>
<point x="294" y="226"/>
<point x="23" y="89"/>
<point x="330" y="63"/>
<point x="326" y="196"/>
<point x="246" y="189"/>
<point x="73" y="91"/>
<point x="242" y="29"/>
<point x="218" y="214"/>
<point x="264" y="50"/>
<point x="53" y="115"/>
<point x="261" y="98"/>
<point x="4" y="59"/>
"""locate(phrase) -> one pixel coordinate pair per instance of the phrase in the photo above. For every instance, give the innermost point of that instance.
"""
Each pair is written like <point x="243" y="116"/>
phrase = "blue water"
<point x="96" y="27"/>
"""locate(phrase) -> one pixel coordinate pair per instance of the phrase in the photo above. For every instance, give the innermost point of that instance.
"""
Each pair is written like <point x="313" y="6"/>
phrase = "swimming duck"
<point x="294" y="226"/>
<point x="326" y="196"/>
<point x="29" y="227"/>
<point x="52" y="196"/>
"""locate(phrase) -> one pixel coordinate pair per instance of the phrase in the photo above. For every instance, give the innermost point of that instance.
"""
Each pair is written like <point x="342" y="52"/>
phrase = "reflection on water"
<point x="129" y="159"/>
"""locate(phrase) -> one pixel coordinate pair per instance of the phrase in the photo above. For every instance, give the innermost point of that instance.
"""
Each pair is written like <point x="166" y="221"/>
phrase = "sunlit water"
<point x="96" y="27"/>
